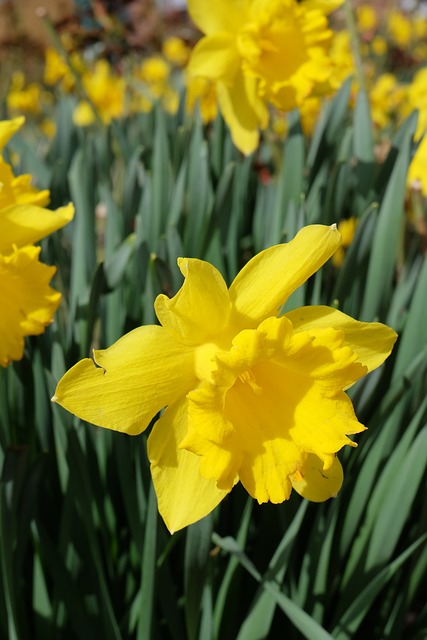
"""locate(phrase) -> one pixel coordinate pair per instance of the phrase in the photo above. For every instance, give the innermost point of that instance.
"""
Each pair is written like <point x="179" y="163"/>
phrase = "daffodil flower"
<point x="251" y="396"/>
<point x="260" y="52"/>
<point x="28" y="302"/>
<point x="106" y="92"/>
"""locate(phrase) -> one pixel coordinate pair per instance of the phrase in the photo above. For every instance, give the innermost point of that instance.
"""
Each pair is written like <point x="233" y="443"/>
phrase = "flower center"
<point x="247" y="377"/>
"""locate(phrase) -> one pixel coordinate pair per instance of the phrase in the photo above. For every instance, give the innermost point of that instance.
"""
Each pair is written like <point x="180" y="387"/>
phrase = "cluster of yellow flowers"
<point x="28" y="302"/>
<point x="243" y="67"/>
<point x="249" y="394"/>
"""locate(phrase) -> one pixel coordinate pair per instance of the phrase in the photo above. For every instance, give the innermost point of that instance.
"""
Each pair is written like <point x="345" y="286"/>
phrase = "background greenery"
<point x="83" y="552"/>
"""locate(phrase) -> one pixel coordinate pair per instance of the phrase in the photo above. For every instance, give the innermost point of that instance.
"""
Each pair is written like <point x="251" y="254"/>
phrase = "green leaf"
<point x="301" y="620"/>
<point x="148" y="571"/>
<point x="353" y="616"/>
<point x="386" y="236"/>
<point x="196" y="558"/>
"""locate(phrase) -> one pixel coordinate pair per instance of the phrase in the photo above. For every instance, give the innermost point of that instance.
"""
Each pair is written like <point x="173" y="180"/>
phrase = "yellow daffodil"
<point x="251" y="396"/>
<point x="342" y="58"/>
<point x="259" y="52"/>
<point x="399" y="27"/>
<point x="417" y="173"/>
<point x="57" y="70"/>
<point x="309" y="113"/>
<point x="28" y="302"/>
<point x="366" y="18"/>
<point x="202" y="93"/>
<point x="156" y="86"/>
<point x="155" y="73"/>
<point x="175" y="50"/>
<point x="382" y="98"/>
<point x="106" y="92"/>
<point x="379" y="46"/>
<point x="23" y="98"/>
<point x="347" y="229"/>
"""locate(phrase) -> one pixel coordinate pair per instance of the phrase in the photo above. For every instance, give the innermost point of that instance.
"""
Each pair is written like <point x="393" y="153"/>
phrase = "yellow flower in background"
<point x="251" y="396"/>
<point x="170" y="100"/>
<point x="279" y="125"/>
<point x="23" y="98"/>
<point x="155" y="71"/>
<point x="106" y="92"/>
<point x="416" y="98"/>
<point x="342" y="58"/>
<point x="419" y="52"/>
<point x="419" y="26"/>
<point x="347" y="229"/>
<point x="202" y="93"/>
<point x="309" y="113"/>
<point x="399" y="28"/>
<point x="55" y="67"/>
<point x="48" y="127"/>
<point x="384" y="100"/>
<point x="274" y="51"/>
<point x="176" y="51"/>
<point x="57" y="71"/>
<point x="417" y="172"/>
<point x="28" y="302"/>
<point x="379" y="46"/>
<point x="366" y="18"/>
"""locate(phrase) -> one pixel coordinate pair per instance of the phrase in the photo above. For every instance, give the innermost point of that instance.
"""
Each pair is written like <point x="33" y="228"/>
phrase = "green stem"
<point x="355" y="44"/>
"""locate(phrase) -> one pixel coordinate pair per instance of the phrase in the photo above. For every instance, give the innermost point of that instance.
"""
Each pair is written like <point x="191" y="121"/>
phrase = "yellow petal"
<point x="265" y="282"/>
<point x="209" y="435"/>
<point x="323" y="356"/>
<point x="221" y="15"/>
<point x="8" y="128"/>
<point x="129" y="382"/>
<point x="28" y="302"/>
<point x="316" y="484"/>
<point x="275" y="398"/>
<point x="325" y="6"/>
<point x="241" y="109"/>
<point x="19" y="190"/>
<point x="83" y="115"/>
<point x="24" y="224"/>
<point x="201" y="307"/>
<point x="372" y="342"/>
<point x="215" y="57"/>
<point x="184" y="496"/>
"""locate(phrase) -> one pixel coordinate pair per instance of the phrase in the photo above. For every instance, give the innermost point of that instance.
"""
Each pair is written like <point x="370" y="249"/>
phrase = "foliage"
<point x="83" y="551"/>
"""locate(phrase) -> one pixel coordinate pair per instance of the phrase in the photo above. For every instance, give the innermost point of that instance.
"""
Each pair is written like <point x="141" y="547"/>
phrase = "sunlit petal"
<point x="267" y="280"/>
<point x="215" y="57"/>
<point x="8" y="128"/>
<point x="316" y="484"/>
<point x="372" y="342"/>
<point x="243" y="111"/>
<point x="200" y="308"/>
<point x="24" y="224"/>
<point x="184" y="495"/>
<point x="221" y="15"/>
<point x="127" y="384"/>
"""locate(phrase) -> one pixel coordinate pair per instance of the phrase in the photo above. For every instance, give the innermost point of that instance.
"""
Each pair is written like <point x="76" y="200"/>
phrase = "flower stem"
<point x="355" y="44"/>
